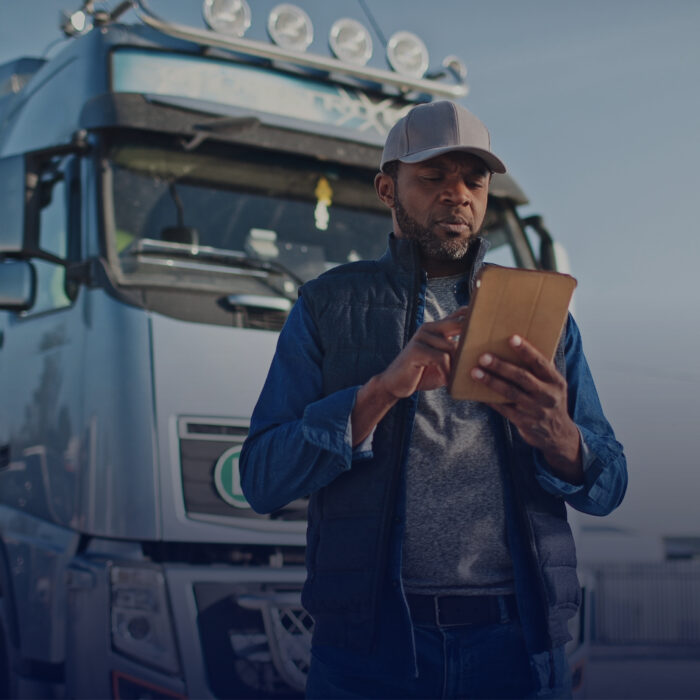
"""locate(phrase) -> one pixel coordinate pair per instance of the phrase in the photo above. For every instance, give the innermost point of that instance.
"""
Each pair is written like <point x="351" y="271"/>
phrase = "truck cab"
<point x="165" y="190"/>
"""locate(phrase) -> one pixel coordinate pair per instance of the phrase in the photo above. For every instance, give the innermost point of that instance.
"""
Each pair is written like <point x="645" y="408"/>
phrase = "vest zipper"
<point x="402" y="415"/>
<point x="527" y="525"/>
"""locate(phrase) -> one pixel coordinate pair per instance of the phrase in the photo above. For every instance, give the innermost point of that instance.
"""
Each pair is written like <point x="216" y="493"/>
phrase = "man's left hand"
<point x="537" y="405"/>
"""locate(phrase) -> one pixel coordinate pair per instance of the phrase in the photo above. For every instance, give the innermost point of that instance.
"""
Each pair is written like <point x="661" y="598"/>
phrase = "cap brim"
<point x="494" y="164"/>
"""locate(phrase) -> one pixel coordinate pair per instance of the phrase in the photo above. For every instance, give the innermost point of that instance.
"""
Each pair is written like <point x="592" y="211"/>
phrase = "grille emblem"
<point x="227" y="478"/>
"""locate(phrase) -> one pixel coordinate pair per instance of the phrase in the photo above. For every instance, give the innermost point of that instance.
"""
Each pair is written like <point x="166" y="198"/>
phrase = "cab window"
<point x="55" y="213"/>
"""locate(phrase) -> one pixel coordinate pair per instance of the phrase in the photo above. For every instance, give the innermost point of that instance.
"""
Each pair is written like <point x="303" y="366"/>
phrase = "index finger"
<point x="451" y="324"/>
<point x="456" y="317"/>
<point x="533" y="359"/>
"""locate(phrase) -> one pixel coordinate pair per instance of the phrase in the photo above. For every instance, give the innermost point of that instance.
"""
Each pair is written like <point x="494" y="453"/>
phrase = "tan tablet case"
<point x="531" y="303"/>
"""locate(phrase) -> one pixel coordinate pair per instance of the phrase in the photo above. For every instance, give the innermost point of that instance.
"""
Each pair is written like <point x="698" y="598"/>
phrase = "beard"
<point x="431" y="246"/>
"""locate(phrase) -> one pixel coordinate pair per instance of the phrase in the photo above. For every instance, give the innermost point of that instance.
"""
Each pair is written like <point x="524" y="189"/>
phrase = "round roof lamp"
<point x="407" y="54"/>
<point x="350" y="41"/>
<point x="290" y="27"/>
<point x="227" y="16"/>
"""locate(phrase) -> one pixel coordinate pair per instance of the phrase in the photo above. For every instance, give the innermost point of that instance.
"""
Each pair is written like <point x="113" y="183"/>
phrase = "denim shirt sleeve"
<point x="604" y="463"/>
<point x="299" y="440"/>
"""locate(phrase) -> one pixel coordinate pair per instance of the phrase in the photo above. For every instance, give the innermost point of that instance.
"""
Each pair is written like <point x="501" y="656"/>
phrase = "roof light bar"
<point x="404" y="83"/>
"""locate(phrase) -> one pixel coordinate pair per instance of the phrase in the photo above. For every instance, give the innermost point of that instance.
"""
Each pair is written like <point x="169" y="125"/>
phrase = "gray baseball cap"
<point x="432" y="129"/>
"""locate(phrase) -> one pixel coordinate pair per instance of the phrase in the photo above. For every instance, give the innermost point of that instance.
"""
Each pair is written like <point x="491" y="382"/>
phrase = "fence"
<point x="654" y="604"/>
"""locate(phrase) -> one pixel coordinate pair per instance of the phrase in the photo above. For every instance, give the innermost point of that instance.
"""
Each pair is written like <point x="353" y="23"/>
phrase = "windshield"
<point x="236" y="218"/>
<point x="245" y="223"/>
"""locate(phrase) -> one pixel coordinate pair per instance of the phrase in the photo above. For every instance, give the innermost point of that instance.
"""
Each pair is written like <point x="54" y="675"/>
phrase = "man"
<point x="440" y="563"/>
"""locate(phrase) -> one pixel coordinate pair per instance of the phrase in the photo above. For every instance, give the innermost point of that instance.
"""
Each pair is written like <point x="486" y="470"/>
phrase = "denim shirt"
<point x="300" y="441"/>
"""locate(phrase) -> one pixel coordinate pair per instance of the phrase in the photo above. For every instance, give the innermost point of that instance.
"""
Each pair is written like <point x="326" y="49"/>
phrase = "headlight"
<point x="290" y="27"/>
<point x="407" y="54"/>
<point x="350" y="41"/>
<point x="227" y="16"/>
<point x="141" y="626"/>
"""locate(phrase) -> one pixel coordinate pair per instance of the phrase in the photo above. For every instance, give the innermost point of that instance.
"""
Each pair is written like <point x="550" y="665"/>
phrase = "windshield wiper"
<point x="149" y="246"/>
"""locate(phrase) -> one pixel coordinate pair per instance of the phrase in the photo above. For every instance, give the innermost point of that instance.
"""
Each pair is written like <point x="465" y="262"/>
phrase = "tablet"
<point x="508" y="301"/>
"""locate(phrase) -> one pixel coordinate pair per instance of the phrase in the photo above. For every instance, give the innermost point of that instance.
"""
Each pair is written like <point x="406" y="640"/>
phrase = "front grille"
<point x="256" y="640"/>
<point x="216" y="429"/>
<point x="209" y="451"/>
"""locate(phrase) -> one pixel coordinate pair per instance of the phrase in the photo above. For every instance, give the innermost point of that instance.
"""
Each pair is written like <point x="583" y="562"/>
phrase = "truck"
<point x="164" y="191"/>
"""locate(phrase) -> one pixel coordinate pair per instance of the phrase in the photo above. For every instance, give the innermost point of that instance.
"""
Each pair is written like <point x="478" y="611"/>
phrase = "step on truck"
<point x="164" y="191"/>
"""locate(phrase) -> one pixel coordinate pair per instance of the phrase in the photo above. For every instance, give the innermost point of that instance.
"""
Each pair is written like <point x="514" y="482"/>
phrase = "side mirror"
<point x="17" y="285"/>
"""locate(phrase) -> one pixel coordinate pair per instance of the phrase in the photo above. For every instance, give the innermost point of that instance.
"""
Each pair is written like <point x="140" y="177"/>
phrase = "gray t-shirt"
<point x="455" y="540"/>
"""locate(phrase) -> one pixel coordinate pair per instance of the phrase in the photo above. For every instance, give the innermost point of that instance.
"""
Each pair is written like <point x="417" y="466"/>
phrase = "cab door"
<point x="40" y="352"/>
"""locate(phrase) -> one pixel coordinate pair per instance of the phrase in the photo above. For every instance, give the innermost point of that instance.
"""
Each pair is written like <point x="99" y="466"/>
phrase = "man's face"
<point x="441" y="203"/>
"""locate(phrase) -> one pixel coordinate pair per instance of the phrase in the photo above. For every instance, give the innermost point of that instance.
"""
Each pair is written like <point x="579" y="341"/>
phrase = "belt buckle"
<point x="436" y="603"/>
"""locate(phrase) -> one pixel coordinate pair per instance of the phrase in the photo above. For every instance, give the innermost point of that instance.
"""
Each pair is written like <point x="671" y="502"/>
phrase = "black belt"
<point x="445" y="610"/>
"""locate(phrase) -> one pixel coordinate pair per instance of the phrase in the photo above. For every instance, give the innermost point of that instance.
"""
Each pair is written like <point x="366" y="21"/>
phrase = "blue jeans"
<point x="472" y="661"/>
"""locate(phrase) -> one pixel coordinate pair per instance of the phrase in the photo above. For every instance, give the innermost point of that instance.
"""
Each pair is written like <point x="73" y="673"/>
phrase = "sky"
<point x="595" y="108"/>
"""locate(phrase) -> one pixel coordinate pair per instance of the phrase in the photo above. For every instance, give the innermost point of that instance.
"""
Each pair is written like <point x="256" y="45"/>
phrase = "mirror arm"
<point x="547" y="255"/>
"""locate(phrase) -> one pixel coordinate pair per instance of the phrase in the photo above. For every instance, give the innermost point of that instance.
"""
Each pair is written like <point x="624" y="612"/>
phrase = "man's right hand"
<point x="426" y="361"/>
<point x="422" y="365"/>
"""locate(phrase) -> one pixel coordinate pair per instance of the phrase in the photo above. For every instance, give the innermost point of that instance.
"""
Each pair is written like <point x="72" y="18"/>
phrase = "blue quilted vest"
<point x="365" y="313"/>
